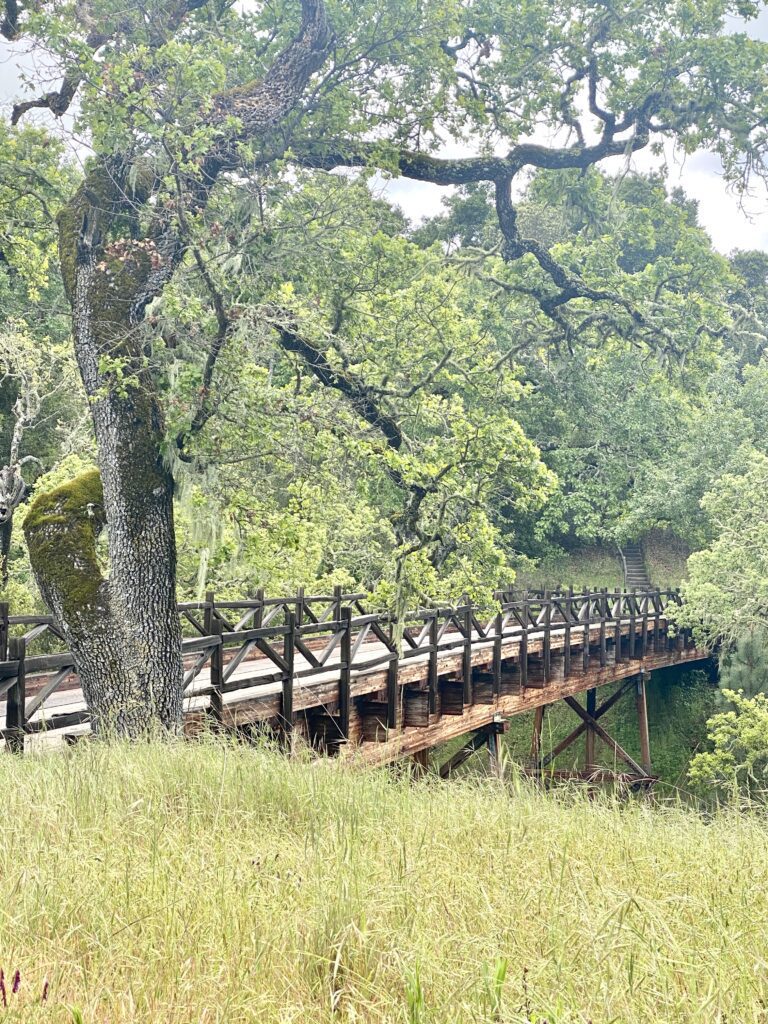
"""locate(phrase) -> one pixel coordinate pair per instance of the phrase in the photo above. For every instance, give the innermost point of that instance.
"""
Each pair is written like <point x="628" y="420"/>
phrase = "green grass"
<point x="666" y="558"/>
<point x="205" y="883"/>
<point x="594" y="566"/>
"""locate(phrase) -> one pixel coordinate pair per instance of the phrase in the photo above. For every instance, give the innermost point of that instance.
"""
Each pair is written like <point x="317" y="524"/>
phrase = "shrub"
<point x="738" y="761"/>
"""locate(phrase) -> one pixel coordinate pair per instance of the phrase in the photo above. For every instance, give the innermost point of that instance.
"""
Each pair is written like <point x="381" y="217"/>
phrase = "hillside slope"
<point x="599" y="565"/>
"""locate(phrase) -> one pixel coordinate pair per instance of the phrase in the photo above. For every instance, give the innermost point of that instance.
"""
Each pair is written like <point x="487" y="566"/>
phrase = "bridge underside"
<point x="441" y="729"/>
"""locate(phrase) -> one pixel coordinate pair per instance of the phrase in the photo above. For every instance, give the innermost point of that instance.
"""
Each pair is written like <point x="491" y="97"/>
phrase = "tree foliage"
<point x="726" y="595"/>
<point x="738" y="761"/>
<point x="262" y="340"/>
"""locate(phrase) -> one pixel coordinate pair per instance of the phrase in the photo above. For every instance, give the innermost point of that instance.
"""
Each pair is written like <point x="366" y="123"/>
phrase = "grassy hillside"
<point x="599" y="565"/>
<point x="200" y="883"/>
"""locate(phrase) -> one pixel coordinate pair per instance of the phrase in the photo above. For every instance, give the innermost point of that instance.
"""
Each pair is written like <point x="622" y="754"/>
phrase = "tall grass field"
<point x="216" y="883"/>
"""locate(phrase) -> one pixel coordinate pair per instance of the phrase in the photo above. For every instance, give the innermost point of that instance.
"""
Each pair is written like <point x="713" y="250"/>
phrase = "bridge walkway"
<point x="347" y="680"/>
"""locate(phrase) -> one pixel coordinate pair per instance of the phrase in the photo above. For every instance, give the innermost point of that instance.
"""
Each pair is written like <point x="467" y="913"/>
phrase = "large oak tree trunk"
<point x="117" y="252"/>
<point x="125" y="632"/>
<point x="138" y="497"/>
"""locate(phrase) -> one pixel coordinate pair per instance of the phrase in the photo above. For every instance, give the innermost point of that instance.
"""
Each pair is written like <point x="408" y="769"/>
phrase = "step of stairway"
<point x="636" y="576"/>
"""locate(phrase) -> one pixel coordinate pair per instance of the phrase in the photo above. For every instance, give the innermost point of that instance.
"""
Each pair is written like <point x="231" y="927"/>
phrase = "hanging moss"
<point x="62" y="527"/>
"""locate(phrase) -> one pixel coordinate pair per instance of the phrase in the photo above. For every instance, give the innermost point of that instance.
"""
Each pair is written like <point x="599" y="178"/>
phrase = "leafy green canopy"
<point x="727" y="591"/>
<point x="308" y="343"/>
<point x="367" y="383"/>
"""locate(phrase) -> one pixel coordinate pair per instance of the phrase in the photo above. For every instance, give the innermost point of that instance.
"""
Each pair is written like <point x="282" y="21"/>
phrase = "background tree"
<point x="726" y="595"/>
<point x="38" y="389"/>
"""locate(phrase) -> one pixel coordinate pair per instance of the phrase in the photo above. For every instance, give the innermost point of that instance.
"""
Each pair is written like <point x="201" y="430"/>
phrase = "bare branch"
<point x="57" y="102"/>
<point x="205" y="406"/>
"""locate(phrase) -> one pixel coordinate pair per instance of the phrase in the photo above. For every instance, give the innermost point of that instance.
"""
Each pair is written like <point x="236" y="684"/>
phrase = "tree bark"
<point x="62" y="529"/>
<point x="138" y="492"/>
<point x="138" y="683"/>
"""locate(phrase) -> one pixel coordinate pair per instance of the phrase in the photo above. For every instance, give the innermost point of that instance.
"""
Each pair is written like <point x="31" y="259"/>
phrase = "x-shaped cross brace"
<point x="592" y="720"/>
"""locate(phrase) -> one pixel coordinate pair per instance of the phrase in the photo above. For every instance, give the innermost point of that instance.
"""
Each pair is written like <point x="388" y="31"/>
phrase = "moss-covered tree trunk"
<point x="124" y="631"/>
<point x="62" y="529"/>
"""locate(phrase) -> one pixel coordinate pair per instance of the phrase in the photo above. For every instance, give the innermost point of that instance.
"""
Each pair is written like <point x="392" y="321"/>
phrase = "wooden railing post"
<point x="547" y="644"/>
<point x="656" y="620"/>
<point x="632" y="624"/>
<point x="337" y="591"/>
<point x="345" y="676"/>
<point x="258" y="618"/>
<point x="217" y="671"/>
<point x="498" y="626"/>
<point x="644" y="626"/>
<point x="300" y="606"/>
<point x="15" y="701"/>
<point x="603" y="627"/>
<point x="433" y="674"/>
<point x="567" y="633"/>
<point x="208" y="615"/>
<point x="587" y="620"/>
<point x="4" y="609"/>
<point x="289" y="655"/>
<point x="619" y="657"/>
<point x="466" y="671"/>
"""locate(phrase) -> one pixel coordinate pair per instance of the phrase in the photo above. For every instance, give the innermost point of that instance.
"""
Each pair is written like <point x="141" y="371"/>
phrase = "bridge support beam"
<point x="589" y="746"/>
<point x="420" y="763"/>
<point x="590" y="726"/>
<point x="495" y="731"/>
<point x="473" y="744"/>
<point x="538" y="728"/>
<point x="642" y="724"/>
<point x="488" y="736"/>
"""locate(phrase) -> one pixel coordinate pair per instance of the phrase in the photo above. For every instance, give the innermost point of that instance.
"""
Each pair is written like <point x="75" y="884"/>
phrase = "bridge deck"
<point x="378" y="714"/>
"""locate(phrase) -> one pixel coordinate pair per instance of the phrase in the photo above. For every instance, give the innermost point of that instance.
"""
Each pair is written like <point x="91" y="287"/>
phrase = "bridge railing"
<point x="327" y="639"/>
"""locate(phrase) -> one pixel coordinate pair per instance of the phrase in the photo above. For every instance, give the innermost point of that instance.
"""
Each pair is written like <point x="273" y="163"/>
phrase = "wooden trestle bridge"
<point x="356" y="683"/>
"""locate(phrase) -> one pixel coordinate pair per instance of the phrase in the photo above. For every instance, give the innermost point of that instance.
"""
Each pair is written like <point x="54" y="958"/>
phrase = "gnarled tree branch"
<point x="362" y="397"/>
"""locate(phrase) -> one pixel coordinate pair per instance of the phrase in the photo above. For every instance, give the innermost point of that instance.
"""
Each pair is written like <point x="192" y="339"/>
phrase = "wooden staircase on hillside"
<point x="636" y="575"/>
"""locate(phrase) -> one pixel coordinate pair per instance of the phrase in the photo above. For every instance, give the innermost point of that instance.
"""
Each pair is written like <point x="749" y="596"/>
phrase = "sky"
<point x="733" y="222"/>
